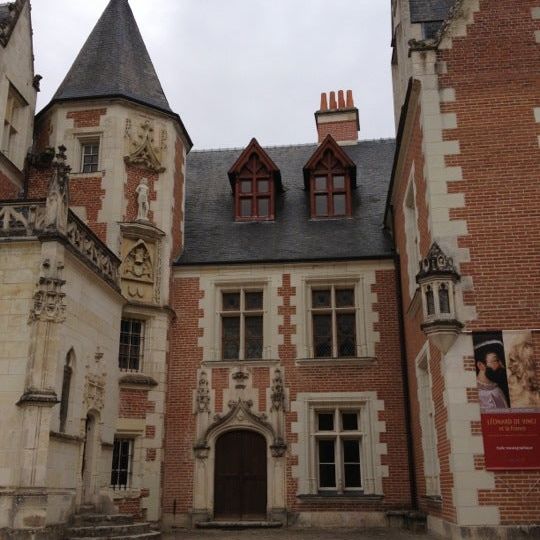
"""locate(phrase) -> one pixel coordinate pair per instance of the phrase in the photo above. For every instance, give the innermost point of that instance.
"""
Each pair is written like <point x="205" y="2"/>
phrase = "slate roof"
<point x="213" y="237"/>
<point x="5" y="14"/>
<point x="430" y="10"/>
<point x="114" y="61"/>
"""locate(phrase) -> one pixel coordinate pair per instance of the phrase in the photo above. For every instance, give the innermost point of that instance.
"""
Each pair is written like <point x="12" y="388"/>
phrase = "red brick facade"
<point x="383" y="377"/>
<point x="495" y="88"/>
<point x="89" y="118"/>
<point x="8" y="189"/>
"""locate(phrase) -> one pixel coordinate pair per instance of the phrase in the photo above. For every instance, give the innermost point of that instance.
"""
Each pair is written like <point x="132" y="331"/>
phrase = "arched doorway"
<point x="240" y="489"/>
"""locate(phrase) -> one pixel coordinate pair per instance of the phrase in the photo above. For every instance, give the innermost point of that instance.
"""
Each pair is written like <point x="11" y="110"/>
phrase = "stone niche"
<point x="140" y="271"/>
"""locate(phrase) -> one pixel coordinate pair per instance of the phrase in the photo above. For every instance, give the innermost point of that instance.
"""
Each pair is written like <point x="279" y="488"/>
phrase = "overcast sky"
<point x="236" y="69"/>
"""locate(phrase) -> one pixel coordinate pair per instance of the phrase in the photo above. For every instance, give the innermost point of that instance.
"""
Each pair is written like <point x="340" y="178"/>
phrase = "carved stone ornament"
<point x="278" y="391"/>
<point x="203" y="394"/>
<point x="240" y="377"/>
<point x="138" y="265"/>
<point x="57" y="205"/>
<point x="241" y="412"/>
<point x="49" y="299"/>
<point x="94" y="392"/>
<point x="143" y="150"/>
<point x="436" y="263"/>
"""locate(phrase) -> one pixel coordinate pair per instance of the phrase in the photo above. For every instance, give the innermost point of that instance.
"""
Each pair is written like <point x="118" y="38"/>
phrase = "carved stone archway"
<point x="239" y="417"/>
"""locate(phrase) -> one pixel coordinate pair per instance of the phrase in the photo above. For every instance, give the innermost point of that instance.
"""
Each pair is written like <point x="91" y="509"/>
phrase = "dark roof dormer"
<point x="330" y="177"/>
<point x="255" y="181"/>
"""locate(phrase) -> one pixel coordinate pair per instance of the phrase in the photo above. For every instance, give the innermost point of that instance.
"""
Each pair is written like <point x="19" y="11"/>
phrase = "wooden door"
<point x="240" y="476"/>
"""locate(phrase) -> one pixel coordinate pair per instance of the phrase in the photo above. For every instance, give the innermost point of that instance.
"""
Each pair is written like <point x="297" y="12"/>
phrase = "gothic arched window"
<point x="66" y="387"/>
<point x="444" y="299"/>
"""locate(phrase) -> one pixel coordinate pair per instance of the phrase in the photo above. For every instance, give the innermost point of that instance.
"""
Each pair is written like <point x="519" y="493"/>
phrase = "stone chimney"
<point x="338" y="117"/>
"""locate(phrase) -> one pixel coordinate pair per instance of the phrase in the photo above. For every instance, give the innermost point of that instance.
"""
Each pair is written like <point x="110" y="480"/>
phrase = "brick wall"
<point x="496" y="88"/>
<point x="178" y="199"/>
<point x="8" y="189"/>
<point x="185" y="357"/>
<point x="340" y="131"/>
<point x="89" y="118"/>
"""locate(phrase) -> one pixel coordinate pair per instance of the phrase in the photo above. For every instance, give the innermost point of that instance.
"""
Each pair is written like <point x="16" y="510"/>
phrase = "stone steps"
<point x="151" y="535"/>
<point x="109" y="530"/>
<point x="93" y="526"/>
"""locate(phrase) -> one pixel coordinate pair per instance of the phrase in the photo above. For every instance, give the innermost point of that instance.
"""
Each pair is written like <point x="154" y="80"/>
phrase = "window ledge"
<point x="236" y="363"/>
<point x="128" y="493"/>
<point x="359" y="361"/>
<point x="137" y="379"/>
<point x="64" y="437"/>
<point x="340" y="496"/>
<point x="81" y="175"/>
<point x="432" y="499"/>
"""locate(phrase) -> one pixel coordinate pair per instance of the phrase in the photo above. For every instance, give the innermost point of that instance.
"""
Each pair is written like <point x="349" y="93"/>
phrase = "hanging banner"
<point x="511" y="440"/>
<point x="509" y="399"/>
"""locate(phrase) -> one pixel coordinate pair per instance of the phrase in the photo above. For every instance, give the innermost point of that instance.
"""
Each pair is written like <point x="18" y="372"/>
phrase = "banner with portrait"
<point x="509" y="396"/>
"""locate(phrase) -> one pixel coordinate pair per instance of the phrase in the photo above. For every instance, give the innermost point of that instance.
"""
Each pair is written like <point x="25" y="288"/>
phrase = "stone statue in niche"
<point x="203" y="394"/>
<point x="138" y="264"/>
<point x="57" y="205"/>
<point x="143" y="200"/>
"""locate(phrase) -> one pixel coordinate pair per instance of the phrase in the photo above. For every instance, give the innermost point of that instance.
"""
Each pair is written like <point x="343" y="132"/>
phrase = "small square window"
<point x="349" y="421"/>
<point x="131" y="345"/>
<point x="122" y="463"/>
<point x="326" y="421"/>
<point x="89" y="156"/>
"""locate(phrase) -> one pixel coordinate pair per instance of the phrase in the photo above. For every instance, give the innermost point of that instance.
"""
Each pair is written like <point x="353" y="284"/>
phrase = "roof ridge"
<point x="296" y="145"/>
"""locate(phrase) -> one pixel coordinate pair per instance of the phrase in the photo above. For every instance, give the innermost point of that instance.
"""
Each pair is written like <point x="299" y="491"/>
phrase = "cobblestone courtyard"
<point x="296" y="534"/>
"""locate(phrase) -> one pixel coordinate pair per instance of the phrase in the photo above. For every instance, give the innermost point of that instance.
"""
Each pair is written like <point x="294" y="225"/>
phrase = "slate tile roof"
<point x="114" y="61"/>
<point x="213" y="237"/>
<point x="430" y="10"/>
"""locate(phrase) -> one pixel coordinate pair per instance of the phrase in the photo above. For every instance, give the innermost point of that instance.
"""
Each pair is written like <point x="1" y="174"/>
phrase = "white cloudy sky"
<point x="236" y="69"/>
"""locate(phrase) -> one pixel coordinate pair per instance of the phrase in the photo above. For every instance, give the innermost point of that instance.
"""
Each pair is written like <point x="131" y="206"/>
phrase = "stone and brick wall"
<point x="192" y="337"/>
<point x="474" y="146"/>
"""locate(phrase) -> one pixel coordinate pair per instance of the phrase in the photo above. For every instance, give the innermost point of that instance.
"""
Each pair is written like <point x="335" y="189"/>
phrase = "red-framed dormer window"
<point x="254" y="180"/>
<point x="330" y="176"/>
<point x="254" y="191"/>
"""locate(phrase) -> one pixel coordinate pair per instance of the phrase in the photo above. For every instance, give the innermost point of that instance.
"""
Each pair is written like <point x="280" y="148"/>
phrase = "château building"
<point x="341" y="333"/>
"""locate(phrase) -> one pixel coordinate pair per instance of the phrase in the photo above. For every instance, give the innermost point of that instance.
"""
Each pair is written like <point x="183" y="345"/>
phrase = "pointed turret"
<point x="114" y="62"/>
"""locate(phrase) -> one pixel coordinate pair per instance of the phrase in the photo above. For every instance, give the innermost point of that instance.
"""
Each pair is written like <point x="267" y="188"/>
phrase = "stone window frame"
<point x="15" y="127"/>
<point x="232" y="286"/>
<point x="132" y="312"/>
<point x="131" y="459"/>
<point x="362" y="342"/>
<point x="83" y="138"/>
<point x="369" y="406"/>
<point x="412" y="233"/>
<point x="424" y="394"/>
<point x="338" y="435"/>
<point x="142" y="343"/>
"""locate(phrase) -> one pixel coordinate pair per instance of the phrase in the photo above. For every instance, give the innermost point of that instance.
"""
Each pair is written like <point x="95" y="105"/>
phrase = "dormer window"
<point x="255" y="179"/>
<point x="330" y="176"/>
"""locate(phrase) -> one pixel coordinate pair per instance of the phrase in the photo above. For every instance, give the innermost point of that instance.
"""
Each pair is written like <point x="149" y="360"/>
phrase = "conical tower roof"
<point x="114" y="61"/>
